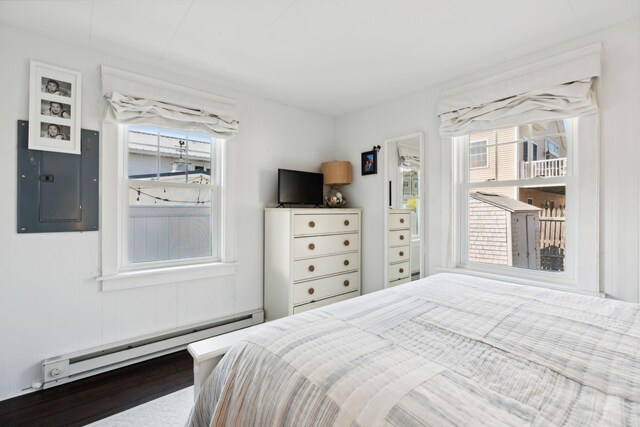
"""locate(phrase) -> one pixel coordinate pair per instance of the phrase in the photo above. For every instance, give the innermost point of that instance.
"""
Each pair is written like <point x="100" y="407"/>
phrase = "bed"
<point x="449" y="349"/>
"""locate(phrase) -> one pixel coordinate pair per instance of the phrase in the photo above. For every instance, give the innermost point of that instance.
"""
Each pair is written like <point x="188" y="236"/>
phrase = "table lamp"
<point x="335" y="173"/>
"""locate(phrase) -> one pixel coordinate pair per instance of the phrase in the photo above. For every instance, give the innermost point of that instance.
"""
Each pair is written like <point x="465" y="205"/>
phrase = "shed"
<point x="503" y="231"/>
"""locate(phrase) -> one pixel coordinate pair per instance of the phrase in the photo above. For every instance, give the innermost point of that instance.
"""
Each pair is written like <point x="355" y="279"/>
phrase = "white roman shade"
<point x="135" y="99"/>
<point x="559" y="87"/>
<point x="408" y="155"/>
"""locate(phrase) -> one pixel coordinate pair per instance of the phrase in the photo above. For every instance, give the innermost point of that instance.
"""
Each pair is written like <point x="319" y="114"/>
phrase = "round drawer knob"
<point x="346" y="283"/>
<point x="402" y="270"/>
<point x="311" y="268"/>
<point x="346" y="262"/>
<point x="401" y="253"/>
<point x="346" y="222"/>
<point x="346" y="243"/>
<point x="401" y="220"/>
<point x="312" y="224"/>
<point x="311" y="246"/>
<point x="402" y="237"/>
<point x="311" y="291"/>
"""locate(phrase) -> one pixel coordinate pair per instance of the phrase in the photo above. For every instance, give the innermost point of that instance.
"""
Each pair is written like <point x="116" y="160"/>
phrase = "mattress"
<point x="449" y="349"/>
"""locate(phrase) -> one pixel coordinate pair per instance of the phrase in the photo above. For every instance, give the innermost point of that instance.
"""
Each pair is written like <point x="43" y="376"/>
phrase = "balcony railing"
<point x="544" y="168"/>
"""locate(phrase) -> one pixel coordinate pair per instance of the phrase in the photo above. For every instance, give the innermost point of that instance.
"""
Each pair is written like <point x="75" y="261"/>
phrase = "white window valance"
<point x="558" y="87"/>
<point x="135" y="99"/>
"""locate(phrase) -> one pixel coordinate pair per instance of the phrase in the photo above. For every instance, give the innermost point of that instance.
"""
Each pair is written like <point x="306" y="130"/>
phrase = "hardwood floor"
<point x="90" y="399"/>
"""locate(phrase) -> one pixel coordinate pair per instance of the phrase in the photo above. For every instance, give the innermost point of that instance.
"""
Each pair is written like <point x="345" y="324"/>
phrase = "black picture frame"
<point x="369" y="161"/>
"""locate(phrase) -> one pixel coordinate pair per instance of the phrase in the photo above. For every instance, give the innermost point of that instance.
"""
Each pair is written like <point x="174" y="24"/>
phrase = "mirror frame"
<point x="421" y="193"/>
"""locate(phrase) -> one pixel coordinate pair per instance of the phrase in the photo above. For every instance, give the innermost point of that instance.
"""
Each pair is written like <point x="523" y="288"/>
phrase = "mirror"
<point x="403" y="216"/>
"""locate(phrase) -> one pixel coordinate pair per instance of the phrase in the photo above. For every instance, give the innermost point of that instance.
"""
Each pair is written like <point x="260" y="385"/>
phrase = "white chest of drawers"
<point x="311" y="258"/>
<point x="399" y="250"/>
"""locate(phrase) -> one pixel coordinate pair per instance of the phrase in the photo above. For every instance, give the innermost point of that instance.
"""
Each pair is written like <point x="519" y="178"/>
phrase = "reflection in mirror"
<point x="402" y="209"/>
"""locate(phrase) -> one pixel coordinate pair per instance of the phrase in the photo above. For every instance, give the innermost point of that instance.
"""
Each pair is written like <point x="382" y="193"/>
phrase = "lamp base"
<point x="334" y="198"/>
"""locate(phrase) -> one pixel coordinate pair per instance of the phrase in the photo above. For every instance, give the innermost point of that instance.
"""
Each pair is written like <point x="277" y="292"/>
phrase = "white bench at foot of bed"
<point x="208" y="353"/>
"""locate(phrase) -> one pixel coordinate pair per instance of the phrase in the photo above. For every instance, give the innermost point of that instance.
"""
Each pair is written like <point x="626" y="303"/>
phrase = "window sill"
<point x="561" y="284"/>
<point x="161" y="276"/>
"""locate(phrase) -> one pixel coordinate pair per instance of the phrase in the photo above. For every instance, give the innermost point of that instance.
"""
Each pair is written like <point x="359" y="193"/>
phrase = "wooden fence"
<point x="552" y="239"/>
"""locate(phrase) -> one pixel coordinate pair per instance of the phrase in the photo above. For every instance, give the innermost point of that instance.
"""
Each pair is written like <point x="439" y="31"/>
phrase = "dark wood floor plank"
<point x="91" y="399"/>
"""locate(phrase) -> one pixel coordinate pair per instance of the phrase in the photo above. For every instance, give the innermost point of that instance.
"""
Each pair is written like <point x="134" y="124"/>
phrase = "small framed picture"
<point x="54" y="109"/>
<point x="370" y="162"/>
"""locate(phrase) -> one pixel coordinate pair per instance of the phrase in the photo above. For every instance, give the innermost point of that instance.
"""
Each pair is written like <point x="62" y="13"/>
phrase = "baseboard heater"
<point x="81" y="364"/>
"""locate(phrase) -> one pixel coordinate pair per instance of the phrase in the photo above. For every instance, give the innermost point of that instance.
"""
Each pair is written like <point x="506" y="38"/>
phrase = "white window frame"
<point x="582" y="224"/>
<point x="216" y="207"/>
<point x="486" y="153"/>
<point x="116" y="273"/>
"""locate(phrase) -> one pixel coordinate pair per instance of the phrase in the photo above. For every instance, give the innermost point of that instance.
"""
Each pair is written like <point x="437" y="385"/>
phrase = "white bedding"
<point x="446" y="350"/>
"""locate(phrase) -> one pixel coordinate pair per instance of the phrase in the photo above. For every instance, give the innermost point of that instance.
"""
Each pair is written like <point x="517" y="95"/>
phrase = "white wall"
<point x="619" y="102"/>
<point x="50" y="302"/>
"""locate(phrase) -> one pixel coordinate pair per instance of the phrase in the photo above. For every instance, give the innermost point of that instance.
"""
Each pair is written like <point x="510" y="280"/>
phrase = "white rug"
<point x="170" y="410"/>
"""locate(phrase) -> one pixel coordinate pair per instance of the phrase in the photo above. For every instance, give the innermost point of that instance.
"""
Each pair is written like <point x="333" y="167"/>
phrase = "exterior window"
<point x="525" y="150"/>
<point x="478" y="154"/>
<point x="172" y="187"/>
<point x="514" y="210"/>
<point x="551" y="149"/>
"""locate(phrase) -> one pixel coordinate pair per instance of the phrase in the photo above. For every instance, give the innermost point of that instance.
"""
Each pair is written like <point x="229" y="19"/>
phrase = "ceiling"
<point x="329" y="56"/>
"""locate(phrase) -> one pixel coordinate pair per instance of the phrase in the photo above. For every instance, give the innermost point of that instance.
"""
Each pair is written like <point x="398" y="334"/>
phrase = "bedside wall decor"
<point x="369" y="161"/>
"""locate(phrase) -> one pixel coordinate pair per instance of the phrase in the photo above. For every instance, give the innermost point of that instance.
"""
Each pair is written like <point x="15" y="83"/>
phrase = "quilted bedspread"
<point x="446" y="350"/>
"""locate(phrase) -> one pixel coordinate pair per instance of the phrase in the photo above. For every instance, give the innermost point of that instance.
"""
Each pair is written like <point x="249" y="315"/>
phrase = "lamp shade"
<point x="337" y="172"/>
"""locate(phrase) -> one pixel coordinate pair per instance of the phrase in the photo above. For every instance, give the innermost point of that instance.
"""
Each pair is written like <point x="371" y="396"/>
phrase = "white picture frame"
<point x="54" y="109"/>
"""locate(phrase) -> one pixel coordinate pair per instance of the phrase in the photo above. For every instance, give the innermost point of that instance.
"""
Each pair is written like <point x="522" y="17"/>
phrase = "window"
<point x="172" y="196"/>
<point x="513" y="213"/>
<point x="478" y="154"/>
<point x="168" y="203"/>
<point x="525" y="150"/>
<point x="551" y="149"/>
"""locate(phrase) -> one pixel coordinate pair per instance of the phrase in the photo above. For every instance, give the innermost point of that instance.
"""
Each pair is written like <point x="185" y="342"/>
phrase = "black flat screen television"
<point x="299" y="188"/>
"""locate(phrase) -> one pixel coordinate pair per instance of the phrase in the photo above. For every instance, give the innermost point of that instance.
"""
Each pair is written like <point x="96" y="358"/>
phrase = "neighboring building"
<point x="503" y="231"/>
<point x="151" y="154"/>
<point x="490" y="160"/>
<point x="504" y="155"/>
<point x="548" y="150"/>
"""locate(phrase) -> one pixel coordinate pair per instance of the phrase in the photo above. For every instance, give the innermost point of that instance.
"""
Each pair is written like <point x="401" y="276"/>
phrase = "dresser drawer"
<point x="399" y="271"/>
<point x="399" y="253"/>
<point x="400" y="281"/>
<point x="321" y="224"/>
<point x="326" y="301"/>
<point x="399" y="221"/>
<point x="304" y="247"/>
<point x="399" y="237"/>
<point x="316" y="267"/>
<point x="315" y="290"/>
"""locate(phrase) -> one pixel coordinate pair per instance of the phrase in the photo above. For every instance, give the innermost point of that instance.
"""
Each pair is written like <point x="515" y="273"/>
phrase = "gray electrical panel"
<point x="57" y="191"/>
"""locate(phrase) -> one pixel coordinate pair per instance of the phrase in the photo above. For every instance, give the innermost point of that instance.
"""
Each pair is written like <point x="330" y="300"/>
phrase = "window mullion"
<point x="495" y="163"/>
<point x="186" y="160"/>
<point x="142" y="183"/>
